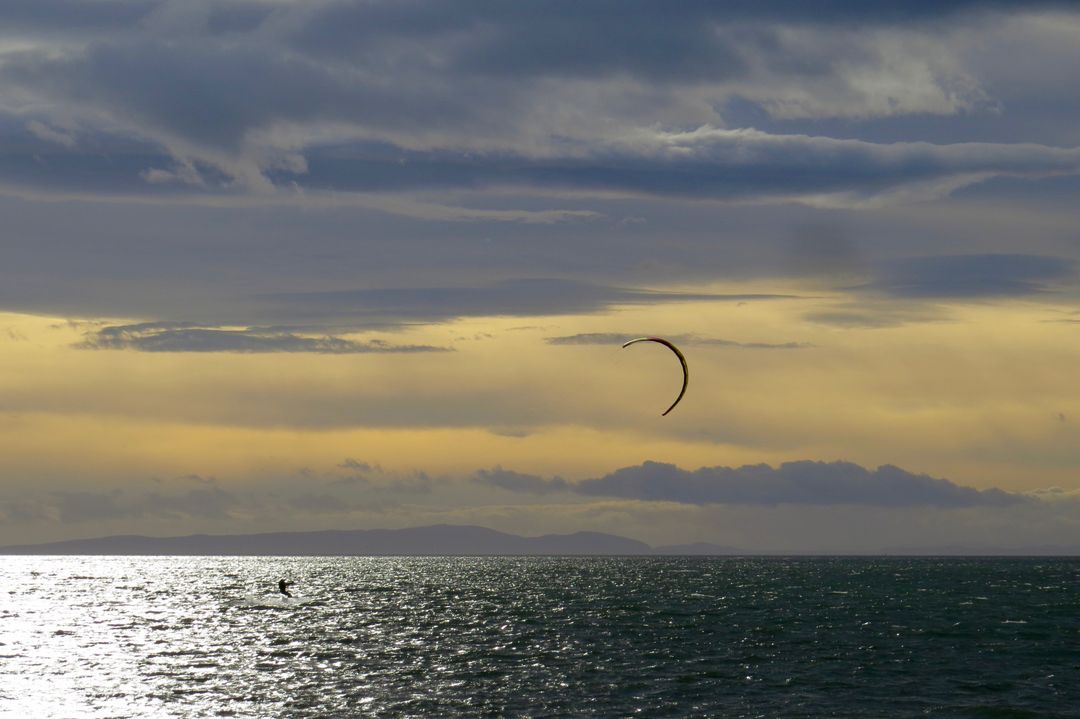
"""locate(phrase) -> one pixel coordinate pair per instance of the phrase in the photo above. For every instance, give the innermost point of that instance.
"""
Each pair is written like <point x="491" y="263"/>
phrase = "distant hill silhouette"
<point x="456" y="540"/>
<point x="442" y="539"/>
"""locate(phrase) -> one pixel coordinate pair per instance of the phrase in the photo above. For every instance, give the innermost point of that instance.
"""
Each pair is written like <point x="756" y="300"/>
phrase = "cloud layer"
<point x="974" y="276"/>
<point x="153" y="97"/>
<point x="186" y="337"/>
<point x="799" y="506"/>
<point x="572" y="143"/>
<point x="801" y="483"/>
<point x="518" y="298"/>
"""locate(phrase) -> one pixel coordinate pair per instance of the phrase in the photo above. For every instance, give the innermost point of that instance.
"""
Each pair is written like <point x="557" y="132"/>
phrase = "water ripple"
<point x="503" y="637"/>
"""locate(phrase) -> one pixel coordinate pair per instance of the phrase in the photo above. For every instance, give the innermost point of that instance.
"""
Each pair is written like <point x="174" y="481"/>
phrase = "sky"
<point x="281" y="265"/>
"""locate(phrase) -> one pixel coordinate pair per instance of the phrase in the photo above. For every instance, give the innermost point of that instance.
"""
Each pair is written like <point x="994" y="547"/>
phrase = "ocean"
<point x="448" y="637"/>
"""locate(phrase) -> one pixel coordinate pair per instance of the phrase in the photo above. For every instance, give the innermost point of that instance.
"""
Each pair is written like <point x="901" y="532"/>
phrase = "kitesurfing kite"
<point x="682" y="361"/>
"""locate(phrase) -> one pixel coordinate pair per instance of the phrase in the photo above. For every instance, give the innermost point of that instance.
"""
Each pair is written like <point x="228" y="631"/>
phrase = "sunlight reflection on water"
<point x="447" y="637"/>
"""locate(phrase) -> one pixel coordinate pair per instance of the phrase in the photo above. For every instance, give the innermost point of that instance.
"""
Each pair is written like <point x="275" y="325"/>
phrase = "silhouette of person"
<point x="282" y="584"/>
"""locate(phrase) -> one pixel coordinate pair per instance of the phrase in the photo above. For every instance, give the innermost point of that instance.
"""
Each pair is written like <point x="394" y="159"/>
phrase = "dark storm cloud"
<point x="636" y="38"/>
<point x="72" y="15"/>
<point x="212" y="91"/>
<point x="706" y="163"/>
<point x="417" y="84"/>
<point x="183" y="337"/>
<point x="717" y="164"/>
<point x="226" y="90"/>
<point x="528" y="297"/>
<point x="803" y="482"/>
<point x="973" y="276"/>
<point x="614" y="338"/>
<point x="107" y="20"/>
<point x="569" y="39"/>
<point x="211" y="155"/>
<point x="421" y="18"/>
<point x="519" y="35"/>
<point x="229" y="268"/>
<point x="39" y="154"/>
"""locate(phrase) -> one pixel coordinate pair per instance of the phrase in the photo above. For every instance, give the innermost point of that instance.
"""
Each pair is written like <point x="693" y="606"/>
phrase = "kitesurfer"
<point x="282" y="587"/>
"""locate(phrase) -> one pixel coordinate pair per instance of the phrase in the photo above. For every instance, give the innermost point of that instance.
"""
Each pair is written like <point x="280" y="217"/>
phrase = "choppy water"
<point x="539" y="637"/>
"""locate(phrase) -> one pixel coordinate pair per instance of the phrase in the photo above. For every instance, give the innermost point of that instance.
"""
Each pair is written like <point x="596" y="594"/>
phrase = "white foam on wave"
<point x="271" y="601"/>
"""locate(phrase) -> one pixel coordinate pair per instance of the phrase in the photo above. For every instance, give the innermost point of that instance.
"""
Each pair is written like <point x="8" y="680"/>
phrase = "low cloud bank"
<point x="803" y="482"/>
<point x="205" y="501"/>
<point x="185" y="337"/>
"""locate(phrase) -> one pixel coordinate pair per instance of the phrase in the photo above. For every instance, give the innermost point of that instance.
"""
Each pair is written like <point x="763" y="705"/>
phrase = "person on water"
<point x="282" y="587"/>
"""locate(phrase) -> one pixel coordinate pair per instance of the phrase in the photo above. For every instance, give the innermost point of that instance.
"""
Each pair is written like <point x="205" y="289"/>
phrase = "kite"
<point x="682" y="361"/>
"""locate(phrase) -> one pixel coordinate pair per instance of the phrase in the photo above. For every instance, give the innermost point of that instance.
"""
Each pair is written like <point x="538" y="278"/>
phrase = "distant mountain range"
<point x="436" y="540"/>
<point x="442" y="539"/>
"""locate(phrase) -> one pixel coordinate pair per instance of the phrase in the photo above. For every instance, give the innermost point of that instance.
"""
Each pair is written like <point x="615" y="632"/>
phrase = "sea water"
<point x="539" y="637"/>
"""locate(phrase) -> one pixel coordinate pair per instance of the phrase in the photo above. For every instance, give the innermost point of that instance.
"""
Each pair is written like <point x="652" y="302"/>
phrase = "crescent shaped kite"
<point x="682" y="361"/>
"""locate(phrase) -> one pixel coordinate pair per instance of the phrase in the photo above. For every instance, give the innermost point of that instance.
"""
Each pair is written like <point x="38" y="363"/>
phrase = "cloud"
<point x="973" y="276"/>
<point x="1055" y="494"/>
<point x="334" y="23"/>
<point x="799" y="483"/>
<point x="592" y="338"/>
<point x="518" y="482"/>
<point x="359" y="473"/>
<point x="79" y="506"/>
<point x="324" y="503"/>
<point x="72" y="15"/>
<point x="186" y="499"/>
<point x="521" y="297"/>
<point x="617" y="338"/>
<point x="183" y="173"/>
<point x="357" y="465"/>
<point x="51" y="134"/>
<point x="209" y="502"/>
<point x="871" y="314"/>
<point x="300" y="321"/>
<point x="716" y="342"/>
<point x="23" y="511"/>
<point x="390" y="98"/>
<point x="707" y="162"/>
<point x="414" y="483"/>
<point x="184" y="337"/>
<point x="206" y="501"/>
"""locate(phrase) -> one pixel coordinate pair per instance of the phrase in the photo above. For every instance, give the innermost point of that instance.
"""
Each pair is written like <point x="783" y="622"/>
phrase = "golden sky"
<point x="978" y="396"/>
